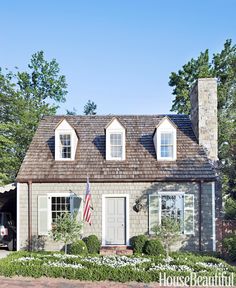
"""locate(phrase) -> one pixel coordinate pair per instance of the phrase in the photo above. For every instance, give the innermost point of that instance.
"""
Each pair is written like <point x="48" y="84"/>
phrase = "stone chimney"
<point x="203" y="99"/>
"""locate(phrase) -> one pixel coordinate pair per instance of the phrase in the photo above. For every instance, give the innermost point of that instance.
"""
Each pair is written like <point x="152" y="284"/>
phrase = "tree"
<point x="223" y="68"/>
<point x="168" y="233"/>
<point x="66" y="229"/>
<point x="72" y="113"/>
<point x="25" y="97"/>
<point x="90" y="108"/>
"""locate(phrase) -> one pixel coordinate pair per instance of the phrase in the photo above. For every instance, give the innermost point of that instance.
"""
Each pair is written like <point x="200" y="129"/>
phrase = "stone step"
<point x="116" y="250"/>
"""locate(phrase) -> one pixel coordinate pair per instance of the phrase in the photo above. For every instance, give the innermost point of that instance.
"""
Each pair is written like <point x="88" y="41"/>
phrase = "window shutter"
<point x="76" y="204"/>
<point x="189" y="214"/>
<point x="153" y="212"/>
<point x="42" y="215"/>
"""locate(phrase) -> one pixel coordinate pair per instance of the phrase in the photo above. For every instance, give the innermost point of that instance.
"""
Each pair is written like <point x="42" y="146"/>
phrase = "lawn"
<point x="113" y="268"/>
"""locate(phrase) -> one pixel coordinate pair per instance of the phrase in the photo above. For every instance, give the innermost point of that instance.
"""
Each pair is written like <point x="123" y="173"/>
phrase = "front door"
<point x="115" y="228"/>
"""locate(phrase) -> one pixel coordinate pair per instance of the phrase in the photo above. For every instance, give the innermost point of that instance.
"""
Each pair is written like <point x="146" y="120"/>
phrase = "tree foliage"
<point x="25" y="97"/>
<point x="66" y="229"/>
<point x="222" y="66"/>
<point x="90" y="108"/>
<point x="168" y="233"/>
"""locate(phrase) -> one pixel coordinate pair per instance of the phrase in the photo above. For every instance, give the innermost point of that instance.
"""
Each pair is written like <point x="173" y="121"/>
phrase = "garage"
<point x="8" y="216"/>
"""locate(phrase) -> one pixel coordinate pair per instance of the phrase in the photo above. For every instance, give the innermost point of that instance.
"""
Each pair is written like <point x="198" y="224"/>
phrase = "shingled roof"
<point x="140" y="164"/>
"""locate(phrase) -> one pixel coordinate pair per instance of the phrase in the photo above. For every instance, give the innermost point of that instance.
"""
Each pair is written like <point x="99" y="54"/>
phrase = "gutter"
<point x="30" y="215"/>
<point x="116" y="180"/>
<point x="200" y="216"/>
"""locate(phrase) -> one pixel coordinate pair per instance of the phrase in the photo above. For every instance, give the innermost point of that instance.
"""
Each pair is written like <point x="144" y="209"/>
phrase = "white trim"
<point x="108" y="145"/>
<point x="213" y="218"/>
<point x="104" y="196"/>
<point x="65" y="128"/>
<point x="18" y="216"/>
<point x="166" y="126"/>
<point x="64" y="194"/>
<point x="170" y="193"/>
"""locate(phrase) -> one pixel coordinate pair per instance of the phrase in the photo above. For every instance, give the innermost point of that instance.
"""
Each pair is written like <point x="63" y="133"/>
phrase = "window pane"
<point x="167" y="145"/>
<point x="166" y="138"/>
<point x="116" y="145"/>
<point x="172" y="207"/>
<point x="65" y="140"/>
<point x="167" y="151"/>
<point x="60" y="205"/>
<point x="115" y="139"/>
<point x="116" y="151"/>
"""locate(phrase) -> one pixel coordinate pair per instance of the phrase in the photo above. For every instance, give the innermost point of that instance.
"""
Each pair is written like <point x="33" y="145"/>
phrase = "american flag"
<point x="87" y="208"/>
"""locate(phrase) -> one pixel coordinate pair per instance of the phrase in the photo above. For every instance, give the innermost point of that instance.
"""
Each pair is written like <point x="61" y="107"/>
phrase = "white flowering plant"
<point x="115" y="268"/>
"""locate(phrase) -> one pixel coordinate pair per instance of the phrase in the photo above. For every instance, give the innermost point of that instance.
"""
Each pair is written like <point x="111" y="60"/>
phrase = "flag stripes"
<point x="87" y="208"/>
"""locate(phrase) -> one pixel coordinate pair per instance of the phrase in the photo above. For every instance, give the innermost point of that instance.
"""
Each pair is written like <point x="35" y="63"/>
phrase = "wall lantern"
<point x="138" y="206"/>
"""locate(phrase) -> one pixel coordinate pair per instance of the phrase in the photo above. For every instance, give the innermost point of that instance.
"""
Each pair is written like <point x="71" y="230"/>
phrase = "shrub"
<point x="138" y="242"/>
<point x="230" y="209"/>
<point x="229" y="245"/>
<point x="153" y="247"/>
<point x="78" y="248"/>
<point x="92" y="243"/>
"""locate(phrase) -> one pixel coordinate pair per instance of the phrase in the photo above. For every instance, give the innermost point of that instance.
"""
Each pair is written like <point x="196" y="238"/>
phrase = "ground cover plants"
<point x="113" y="268"/>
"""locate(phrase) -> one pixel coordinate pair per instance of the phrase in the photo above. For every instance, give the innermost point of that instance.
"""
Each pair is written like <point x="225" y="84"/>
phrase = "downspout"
<point x="200" y="216"/>
<point x="30" y="215"/>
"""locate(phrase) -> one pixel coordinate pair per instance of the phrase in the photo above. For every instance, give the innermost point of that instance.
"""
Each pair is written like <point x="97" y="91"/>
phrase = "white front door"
<point x="115" y="221"/>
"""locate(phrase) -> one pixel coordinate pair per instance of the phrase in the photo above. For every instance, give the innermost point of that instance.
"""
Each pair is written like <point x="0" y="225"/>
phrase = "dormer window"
<point x="167" y="145"/>
<point x="116" y="145"/>
<point x="66" y="141"/>
<point x="165" y="140"/>
<point x="65" y="149"/>
<point x="115" y="140"/>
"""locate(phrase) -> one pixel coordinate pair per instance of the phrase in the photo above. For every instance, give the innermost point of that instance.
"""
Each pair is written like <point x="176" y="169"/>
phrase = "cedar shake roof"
<point x="140" y="164"/>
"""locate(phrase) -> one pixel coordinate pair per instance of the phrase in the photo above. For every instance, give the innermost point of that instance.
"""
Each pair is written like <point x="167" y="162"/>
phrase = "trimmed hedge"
<point x="78" y="248"/>
<point x="138" y="242"/>
<point x="141" y="269"/>
<point x="92" y="243"/>
<point x="154" y="247"/>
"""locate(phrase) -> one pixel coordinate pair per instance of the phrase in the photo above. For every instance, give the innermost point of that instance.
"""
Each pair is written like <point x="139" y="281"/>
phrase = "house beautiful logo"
<point x="217" y="280"/>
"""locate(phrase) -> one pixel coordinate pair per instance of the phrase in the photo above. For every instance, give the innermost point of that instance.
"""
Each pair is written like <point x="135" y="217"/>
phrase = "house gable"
<point x="115" y="140"/>
<point x="66" y="141"/>
<point x="165" y="140"/>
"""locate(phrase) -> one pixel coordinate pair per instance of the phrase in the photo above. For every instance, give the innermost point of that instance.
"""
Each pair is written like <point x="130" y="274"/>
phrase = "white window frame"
<point x="159" y="135"/>
<point x="108" y="145"/>
<point x="64" y="128"/>
<point x="49" y="207"/>
<point x="60" y="146"/>
<point x="173" y="193"/>
<point x="50" y="195"/>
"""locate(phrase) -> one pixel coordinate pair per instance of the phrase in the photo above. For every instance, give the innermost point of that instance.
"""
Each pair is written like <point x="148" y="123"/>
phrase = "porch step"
<point x="116" y="250"/>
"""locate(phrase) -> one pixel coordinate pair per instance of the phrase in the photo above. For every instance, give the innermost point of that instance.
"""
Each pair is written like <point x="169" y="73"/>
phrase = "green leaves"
<point x="25" y="97"/>
<point x="90" y="108"/>
<point x="223" y="67"/>
<point x="66" y="229"/>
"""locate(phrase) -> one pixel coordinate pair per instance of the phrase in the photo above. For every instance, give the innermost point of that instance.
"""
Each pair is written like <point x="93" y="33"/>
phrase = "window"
<point x="116" y="145"/>
<point x="65" y="143"/>
<point x="178" y="206"/>
<point x="172" y="207"/>
<point x="53" y="205"/>
<point x="165" y="140"/>
<point x="115" y="140"/>
<point x="59" y="205"/>
<point x="167" y="145"/>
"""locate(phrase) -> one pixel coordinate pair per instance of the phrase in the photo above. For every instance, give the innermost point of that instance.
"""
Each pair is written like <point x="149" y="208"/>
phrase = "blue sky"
<point x="120" y="53"/>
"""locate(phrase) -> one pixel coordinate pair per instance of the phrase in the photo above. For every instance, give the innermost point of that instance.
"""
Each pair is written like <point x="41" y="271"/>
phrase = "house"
<point x="141" y="168"/>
